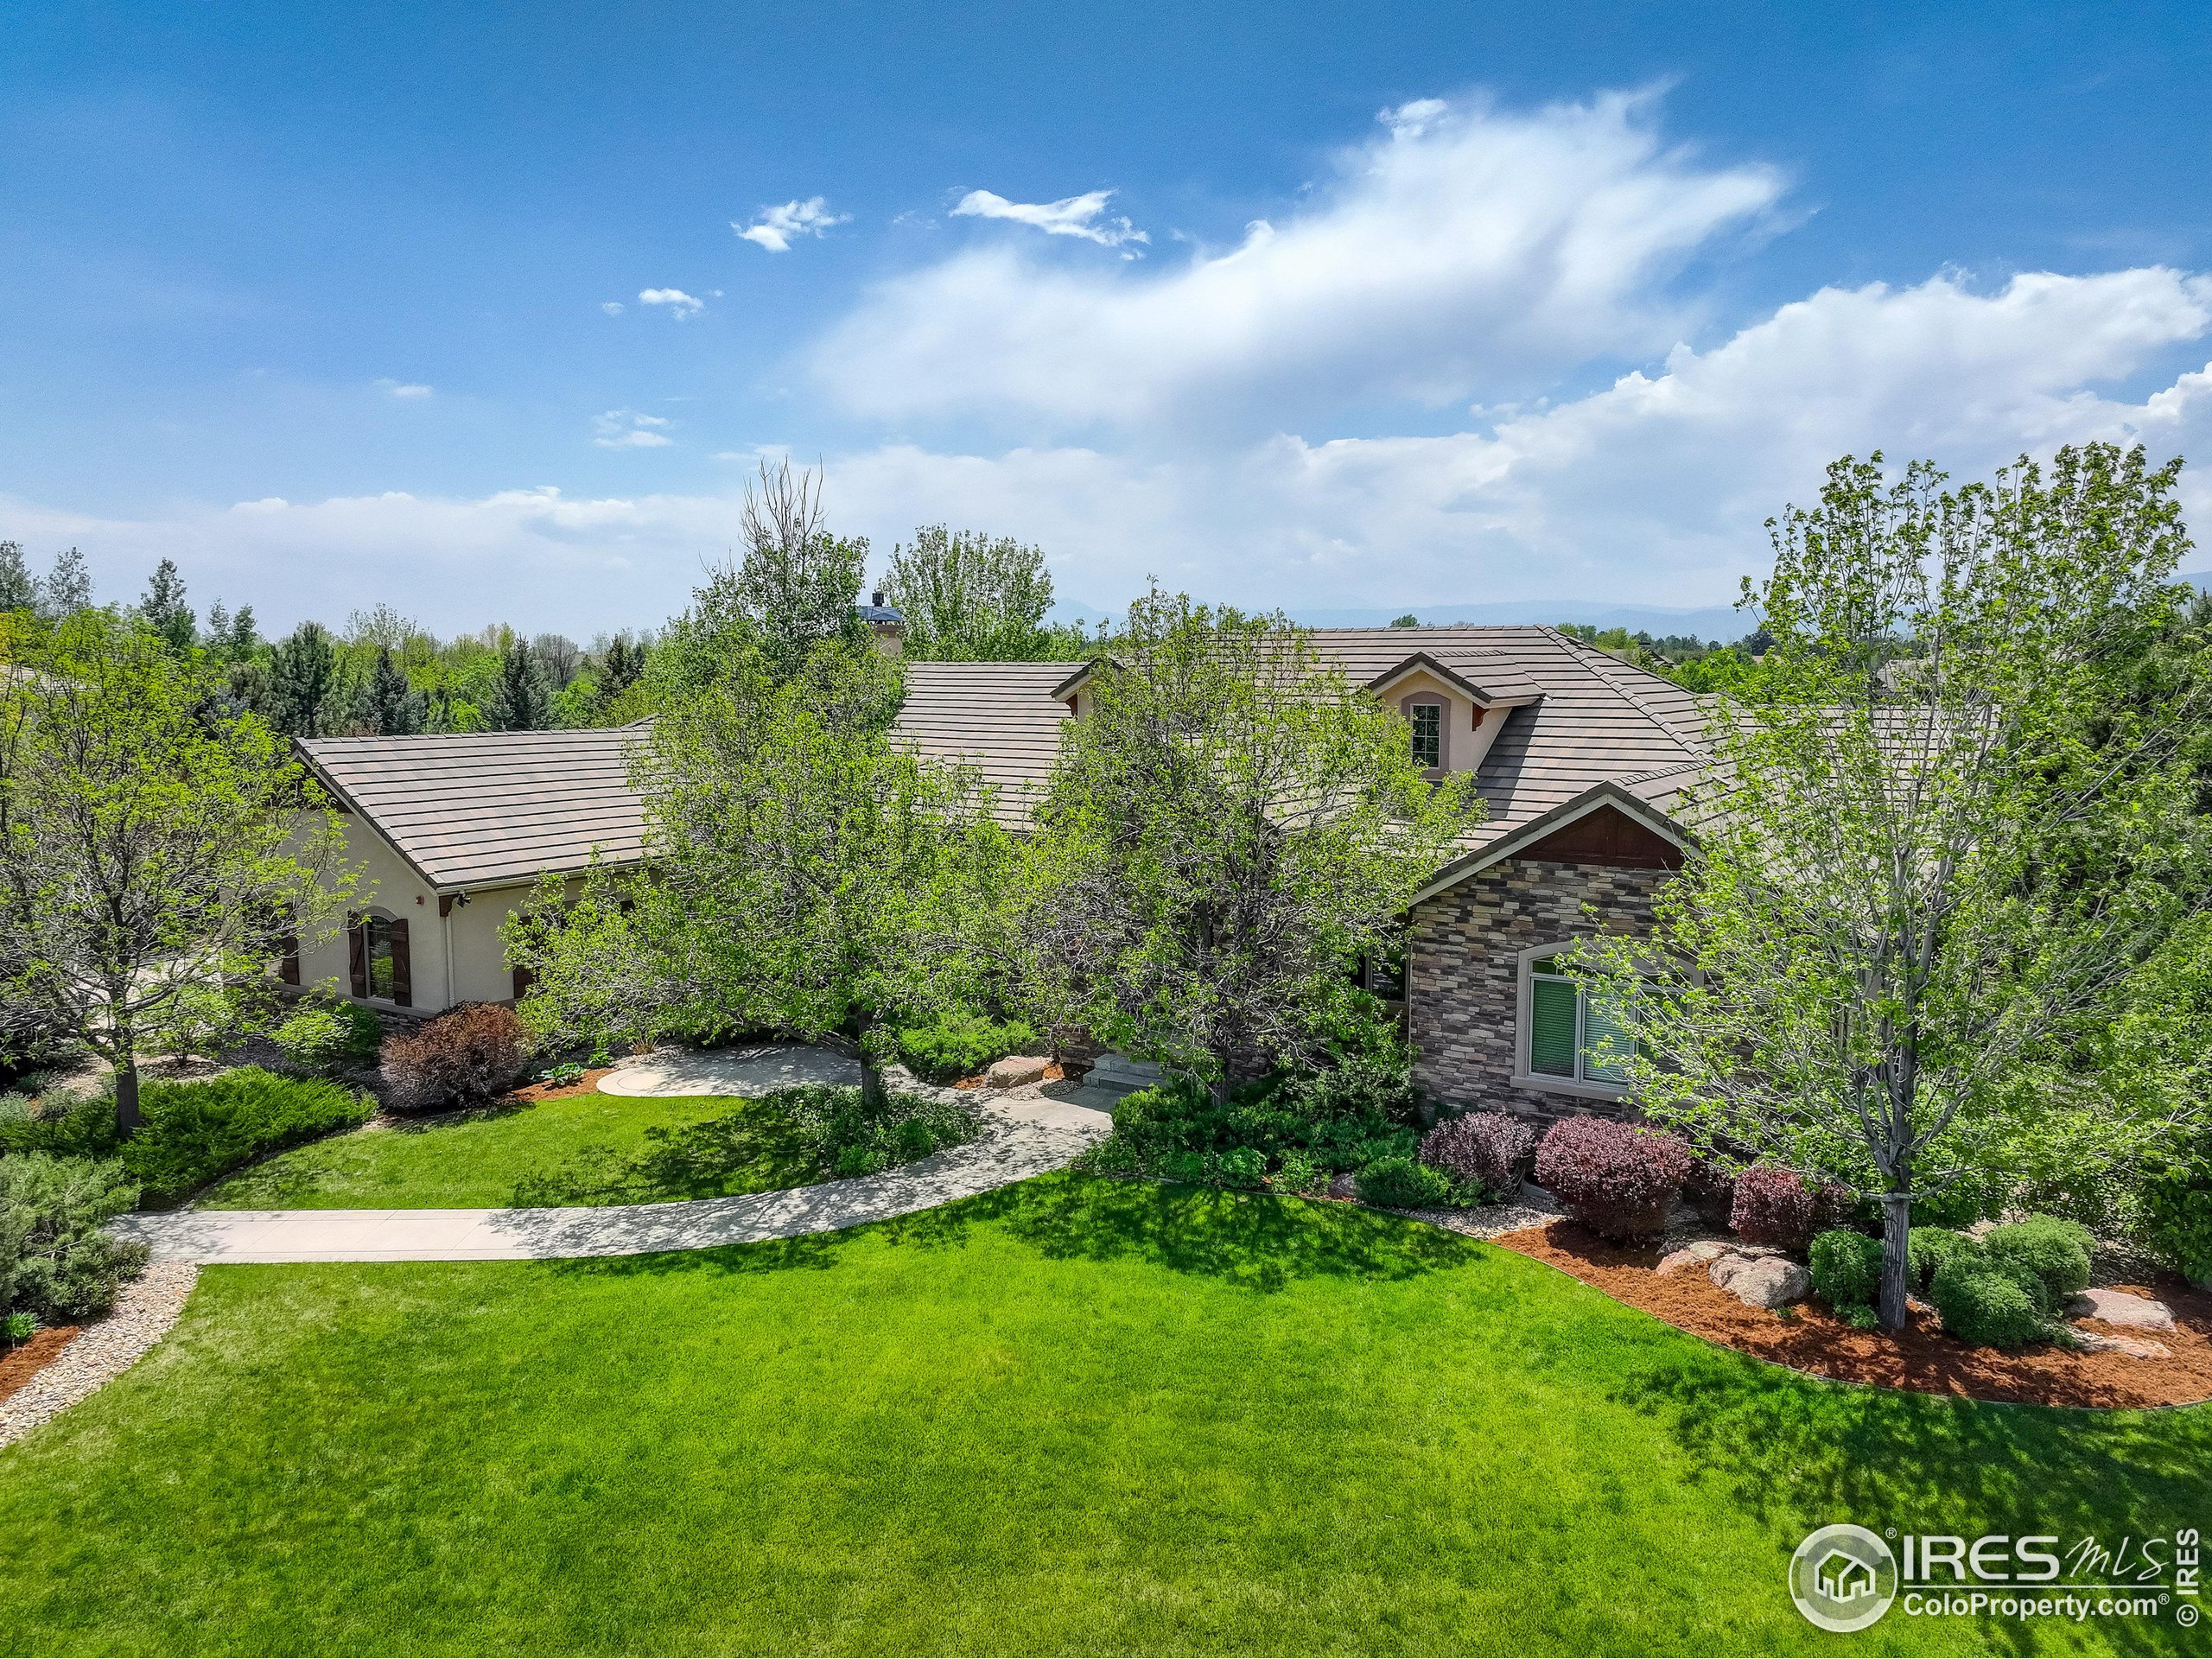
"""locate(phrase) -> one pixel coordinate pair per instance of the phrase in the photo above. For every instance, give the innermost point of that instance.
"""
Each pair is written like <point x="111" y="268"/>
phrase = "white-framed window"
<point x="1567" y="1042"/>
<point x="1429" y="733"/>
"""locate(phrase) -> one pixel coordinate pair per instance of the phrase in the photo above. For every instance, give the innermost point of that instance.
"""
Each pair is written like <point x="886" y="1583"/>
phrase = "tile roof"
<point x="502" y="806"/>
<point x="1000" y="718"/>
<point x="478" y="809"/>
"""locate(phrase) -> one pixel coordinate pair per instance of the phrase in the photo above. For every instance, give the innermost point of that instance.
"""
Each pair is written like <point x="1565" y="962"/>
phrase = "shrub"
<point x="18" y="1327"/>
<point x="1846" y="1269"/>
<point x="1401" y="1183"/>
<point x="1861" y="1316"/>
<point x="2053" y="1254"/>
<point x="463" y="1058"/>
<point x="960" y="1045"/>
<point x="1492" y="1150"/>
<point x="1927" y="1248"/>
<point x="1178" y="1130"/>
<point x="323" y="1036"/>
<point x="561" y="1076"/>
<point x="1984" y="1303"/>
<point x="2176" y="1196"/>
<point x="54" y="1261"/>
<point x="1300" y="1172"/>
<point x="194" y="1132"/>
<point x="1614" y="1178"/>
<point x="848" y="1140"/>
<point x="1777" y="1206"/>
<point x="1710" y="1189"/>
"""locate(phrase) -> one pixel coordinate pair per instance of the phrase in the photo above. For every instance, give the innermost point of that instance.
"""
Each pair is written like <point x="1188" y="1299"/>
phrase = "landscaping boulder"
<point x="2120" y="1307"/>
<point x="2096" y="1342"/>
<point x="1703" y="1254"/>
<point x="1761" y="1281"/>
<point x="1016" y="1070"/>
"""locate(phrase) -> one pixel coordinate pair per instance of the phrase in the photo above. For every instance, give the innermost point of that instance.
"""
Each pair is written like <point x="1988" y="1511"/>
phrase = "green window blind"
<point x="1551" y="1027"/>
<point x="1607" y="1045"/>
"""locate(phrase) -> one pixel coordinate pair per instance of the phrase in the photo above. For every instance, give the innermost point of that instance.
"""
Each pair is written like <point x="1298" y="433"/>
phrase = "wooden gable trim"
<point x="1607" y="836"/>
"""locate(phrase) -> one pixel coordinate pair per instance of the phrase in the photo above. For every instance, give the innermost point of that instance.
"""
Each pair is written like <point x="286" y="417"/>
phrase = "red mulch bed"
<point x="1919" y="1357"/>
<point x="20" y="1363"/>
<point x="538" y="1091"/>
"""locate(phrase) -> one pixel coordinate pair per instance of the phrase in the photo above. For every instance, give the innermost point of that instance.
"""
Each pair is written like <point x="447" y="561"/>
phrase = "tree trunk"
<point x="1896" y="1257"/>
<point x="871" y="1085"/>
<point x="127" y="1118"/>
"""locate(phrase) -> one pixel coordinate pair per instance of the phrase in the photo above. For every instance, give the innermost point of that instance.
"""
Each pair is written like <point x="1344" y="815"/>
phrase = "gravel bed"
<point x="143" y="1314"/>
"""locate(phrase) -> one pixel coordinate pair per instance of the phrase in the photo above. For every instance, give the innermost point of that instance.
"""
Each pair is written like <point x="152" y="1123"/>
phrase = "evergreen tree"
<point x="395" y="708"/>
<point x="68" y="588"/>
<point x="302" y="678"/>
<point x="164" y="609"/>
<point x="520" y="700"/>
<point x="18" y="589"/>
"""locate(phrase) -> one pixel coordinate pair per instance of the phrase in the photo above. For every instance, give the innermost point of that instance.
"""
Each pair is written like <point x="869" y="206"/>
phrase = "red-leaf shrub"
<point x="1780" y="1207"/>
<point x="1710" y="1190"/>
<point x="1615" y="1180"/>
<point x="472" y="1055"/>
<point x="1493" y="1150"/>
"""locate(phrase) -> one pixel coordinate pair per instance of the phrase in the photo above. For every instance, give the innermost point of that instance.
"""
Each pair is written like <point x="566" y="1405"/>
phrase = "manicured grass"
<point x="578" y="1149"/>
<point x="1070" y="1416"/>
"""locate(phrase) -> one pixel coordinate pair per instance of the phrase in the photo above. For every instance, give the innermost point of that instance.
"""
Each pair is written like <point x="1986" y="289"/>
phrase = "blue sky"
<point x="1386" y="305"/>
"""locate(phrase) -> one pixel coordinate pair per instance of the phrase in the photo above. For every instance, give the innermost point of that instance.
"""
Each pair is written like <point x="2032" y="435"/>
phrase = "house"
<point x="1580" y="759"/>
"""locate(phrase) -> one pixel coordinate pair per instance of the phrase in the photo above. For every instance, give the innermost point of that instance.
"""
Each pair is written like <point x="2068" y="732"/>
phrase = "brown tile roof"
<point x="478" y="809"/>
<point x="492" y="807"/>
<point x="1000" y="718"/>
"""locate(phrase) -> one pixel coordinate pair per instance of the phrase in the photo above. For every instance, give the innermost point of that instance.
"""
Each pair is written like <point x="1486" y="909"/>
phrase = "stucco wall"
<point x="1462" y="989"/>
<point x="387" y="884"/>
<point x="458" y="957"/>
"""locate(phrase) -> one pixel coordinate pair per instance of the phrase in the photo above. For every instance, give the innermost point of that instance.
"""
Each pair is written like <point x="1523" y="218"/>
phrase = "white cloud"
<point x="625" y="429"/>
<point x="773" y="228"/>
<point x="1653" y="490"/>
<point x="613" y="308"/>
<point x="1463" y="250"/>
<point x="680" y="305"/>
<point x="1069" y="216"/>
<point x="404" y="389"/>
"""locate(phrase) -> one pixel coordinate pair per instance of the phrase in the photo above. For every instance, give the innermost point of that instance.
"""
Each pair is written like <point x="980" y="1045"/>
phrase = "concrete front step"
<point x="1120" y="1071"/>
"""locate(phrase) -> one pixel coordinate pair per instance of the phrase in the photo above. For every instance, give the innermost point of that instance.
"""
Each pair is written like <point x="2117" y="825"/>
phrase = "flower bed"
<point x="1920" y="1357"/>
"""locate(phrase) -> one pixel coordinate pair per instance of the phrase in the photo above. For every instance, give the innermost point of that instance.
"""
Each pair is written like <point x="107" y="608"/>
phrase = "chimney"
<point x="876" y="599"/>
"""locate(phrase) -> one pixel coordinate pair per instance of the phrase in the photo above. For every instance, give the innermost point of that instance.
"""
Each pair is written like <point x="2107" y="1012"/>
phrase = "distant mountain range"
<point x="1723" y="622"/>
<point x="1707" y="622"/>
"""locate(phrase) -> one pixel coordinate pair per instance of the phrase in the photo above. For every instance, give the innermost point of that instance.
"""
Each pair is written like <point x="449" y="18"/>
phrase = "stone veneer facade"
<point x="1464" y="962"/>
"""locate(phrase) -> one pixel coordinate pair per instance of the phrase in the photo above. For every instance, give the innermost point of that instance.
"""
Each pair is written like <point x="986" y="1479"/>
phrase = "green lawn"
<point x="582" y="1150"/>
<point x="1070" y="1416"/>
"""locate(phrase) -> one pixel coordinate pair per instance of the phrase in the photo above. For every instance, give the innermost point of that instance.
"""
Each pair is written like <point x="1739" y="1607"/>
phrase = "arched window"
<point x="1568" y="1041"/>
<point x="376" y="945"/>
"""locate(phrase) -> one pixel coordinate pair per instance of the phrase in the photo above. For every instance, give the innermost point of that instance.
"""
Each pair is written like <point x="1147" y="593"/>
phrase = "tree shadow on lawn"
<point x="1250" y="1239"/>
<point x="1255" y="1240"/>
<point x="1798" y="1453"/>
<point x="743" y="1151"/>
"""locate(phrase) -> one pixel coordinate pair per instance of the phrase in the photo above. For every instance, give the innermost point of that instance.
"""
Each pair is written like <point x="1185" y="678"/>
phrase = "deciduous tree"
<point x="154" y="850"/>
<point x="1231" y="828"/>
<point x="1875" y="934"/>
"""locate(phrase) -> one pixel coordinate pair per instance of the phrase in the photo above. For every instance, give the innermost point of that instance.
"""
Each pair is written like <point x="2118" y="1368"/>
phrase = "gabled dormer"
<point x="1455" y="710"/>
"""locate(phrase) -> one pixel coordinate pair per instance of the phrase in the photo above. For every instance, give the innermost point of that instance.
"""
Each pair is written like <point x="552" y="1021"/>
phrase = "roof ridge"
<point x="1602" y="664"/>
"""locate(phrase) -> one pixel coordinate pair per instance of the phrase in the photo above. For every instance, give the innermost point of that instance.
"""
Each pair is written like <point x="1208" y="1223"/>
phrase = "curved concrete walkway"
<point x="1022" y="1138"/>
<point x="731" y="1072"/>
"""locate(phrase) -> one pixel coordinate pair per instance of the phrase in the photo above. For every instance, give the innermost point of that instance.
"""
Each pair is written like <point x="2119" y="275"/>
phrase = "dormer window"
<point x="1428" y="734"/>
